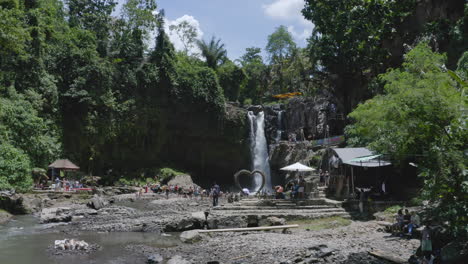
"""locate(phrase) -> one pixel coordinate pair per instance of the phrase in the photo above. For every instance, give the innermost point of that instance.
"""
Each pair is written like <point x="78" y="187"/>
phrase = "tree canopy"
<point x="421" y="118"/>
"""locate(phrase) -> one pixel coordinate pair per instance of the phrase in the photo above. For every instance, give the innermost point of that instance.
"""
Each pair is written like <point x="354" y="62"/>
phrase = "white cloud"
<point x="286" y="10"/>
<point x="175" y="38"/>
<point x="289" y="11"/>
<point x="300" y="36"/>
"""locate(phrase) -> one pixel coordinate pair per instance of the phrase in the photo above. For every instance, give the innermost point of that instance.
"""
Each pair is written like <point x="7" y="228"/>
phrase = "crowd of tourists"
<point x="65" y="185"/>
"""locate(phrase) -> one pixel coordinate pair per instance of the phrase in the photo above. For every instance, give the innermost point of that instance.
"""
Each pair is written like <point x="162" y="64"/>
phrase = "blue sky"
<point x="239" y="23"/>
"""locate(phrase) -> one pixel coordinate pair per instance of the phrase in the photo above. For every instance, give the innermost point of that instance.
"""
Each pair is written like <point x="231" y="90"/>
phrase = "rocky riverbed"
<point x="154" y="214"/>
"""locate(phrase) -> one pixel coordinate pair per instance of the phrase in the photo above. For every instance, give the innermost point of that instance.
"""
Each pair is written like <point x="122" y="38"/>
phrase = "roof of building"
<point x="64" y="164"/>
<point x="361" y="157"/>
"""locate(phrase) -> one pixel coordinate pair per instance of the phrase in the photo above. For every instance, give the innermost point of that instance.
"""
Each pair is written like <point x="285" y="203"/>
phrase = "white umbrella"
<point x="297" y="167"/>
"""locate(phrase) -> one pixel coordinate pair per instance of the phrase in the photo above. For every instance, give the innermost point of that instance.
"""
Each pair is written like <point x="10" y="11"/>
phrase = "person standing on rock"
<point x="301" y="189"/>
<point x="215" y="191"/>
<point x="327" y="178"/>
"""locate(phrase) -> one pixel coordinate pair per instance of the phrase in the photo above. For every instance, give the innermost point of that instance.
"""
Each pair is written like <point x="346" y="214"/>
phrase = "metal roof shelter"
<point x="361" y="157"/>
<point x="356" y="157"/>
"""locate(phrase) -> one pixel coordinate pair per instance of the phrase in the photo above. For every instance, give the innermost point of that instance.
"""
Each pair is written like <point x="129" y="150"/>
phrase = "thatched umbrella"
<point x="63" y="164"/>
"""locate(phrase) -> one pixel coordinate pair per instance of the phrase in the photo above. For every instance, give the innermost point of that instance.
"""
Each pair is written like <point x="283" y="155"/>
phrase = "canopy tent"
<point x="297" y="167"/>
<point x="63" y="164"/>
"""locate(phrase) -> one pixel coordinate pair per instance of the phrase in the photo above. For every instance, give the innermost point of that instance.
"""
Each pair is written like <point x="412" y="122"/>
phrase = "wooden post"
<point x="352" y="178"/>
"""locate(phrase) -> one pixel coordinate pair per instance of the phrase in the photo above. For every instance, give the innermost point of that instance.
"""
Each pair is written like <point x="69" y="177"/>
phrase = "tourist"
<point x="301" y="188"/>
<point x="406" y="218"/>
<point x="327" y="178"/>
<point x="399" y="222"/>
<point x="190" y="192"/>
<point x="279" y="192"/>
<point x="215" y="191"/>
<point x="426" y="243"/>
<point x="167" y="192"/>
<point x="322" y="177"/>
<point x="57" y="184"/>
<point x="415" y="222"/>
<point x="295" y="190"/>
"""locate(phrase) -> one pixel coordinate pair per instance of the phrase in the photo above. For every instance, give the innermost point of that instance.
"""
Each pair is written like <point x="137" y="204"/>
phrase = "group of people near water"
<point x="192" y="191"/>
<point x="66" y="185"/>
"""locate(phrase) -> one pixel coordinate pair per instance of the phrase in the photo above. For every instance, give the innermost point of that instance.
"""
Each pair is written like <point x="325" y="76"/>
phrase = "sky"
<point x="239" y="24"/>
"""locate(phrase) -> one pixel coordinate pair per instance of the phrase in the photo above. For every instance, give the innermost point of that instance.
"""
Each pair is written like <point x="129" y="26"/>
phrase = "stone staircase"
<point x="288" y="209"/>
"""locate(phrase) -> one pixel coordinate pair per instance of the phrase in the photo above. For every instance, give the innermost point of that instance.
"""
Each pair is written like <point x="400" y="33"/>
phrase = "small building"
<point x="356" y="167"/>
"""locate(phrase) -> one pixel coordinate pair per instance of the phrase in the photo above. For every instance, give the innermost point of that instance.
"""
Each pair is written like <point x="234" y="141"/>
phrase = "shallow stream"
<point x="23" y="241"/>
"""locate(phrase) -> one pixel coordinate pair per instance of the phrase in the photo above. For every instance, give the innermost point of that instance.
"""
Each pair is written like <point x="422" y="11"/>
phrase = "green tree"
<point x="15" y="169"/>
<point x="251" y="55"/>
<point x="23" y="129"/>
<point x="421" y="118"/>
<point x="213" y="52"/>
<point x="93" y="15"/>
<point x="280" y="45"/>
<point x="231" y="78"/>
<point x="256" y="71"/>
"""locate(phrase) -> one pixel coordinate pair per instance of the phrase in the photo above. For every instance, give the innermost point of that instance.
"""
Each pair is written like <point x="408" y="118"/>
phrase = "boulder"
<point x="183" y="224"/>
<point x="184" y="181"/>
<point x="155" y="259"/>
<point x="4" y="216"/>
<point x="97" y="202"/>
<point x="178" y="260"/>
<point x="56" y="215"/>
<point x="190" y="236"/>
<point x="12" y="203"/>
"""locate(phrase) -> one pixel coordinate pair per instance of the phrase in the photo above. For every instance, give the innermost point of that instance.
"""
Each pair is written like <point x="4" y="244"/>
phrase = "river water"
<point x="24" y="240"/>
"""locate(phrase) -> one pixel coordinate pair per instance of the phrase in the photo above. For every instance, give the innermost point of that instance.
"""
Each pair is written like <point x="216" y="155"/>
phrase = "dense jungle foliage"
<point x="110" y="92"/>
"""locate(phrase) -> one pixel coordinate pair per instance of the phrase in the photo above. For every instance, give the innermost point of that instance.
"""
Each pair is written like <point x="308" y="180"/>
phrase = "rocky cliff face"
<point x="305" y="119"/>
<point x="209" y="147"/>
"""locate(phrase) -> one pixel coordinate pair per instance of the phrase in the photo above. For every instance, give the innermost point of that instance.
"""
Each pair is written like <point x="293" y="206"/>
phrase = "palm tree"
<point x="214" y="52"/>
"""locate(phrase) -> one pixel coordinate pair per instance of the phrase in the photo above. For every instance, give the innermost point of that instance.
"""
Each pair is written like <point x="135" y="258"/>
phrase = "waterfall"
<point x="259" y="149"/>
<point x="279" y="129"/>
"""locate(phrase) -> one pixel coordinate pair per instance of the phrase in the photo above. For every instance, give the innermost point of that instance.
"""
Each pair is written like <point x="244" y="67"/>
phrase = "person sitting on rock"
<point x="398" y="226"/>
<point x="414" y="223"/>
<point x="279" y="192"/>
<point x="406" y="219"/>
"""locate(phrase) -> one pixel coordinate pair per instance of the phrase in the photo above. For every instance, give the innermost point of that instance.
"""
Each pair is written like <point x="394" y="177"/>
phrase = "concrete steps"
<point x="278" y="207"/>
<point x="289" y="209"/>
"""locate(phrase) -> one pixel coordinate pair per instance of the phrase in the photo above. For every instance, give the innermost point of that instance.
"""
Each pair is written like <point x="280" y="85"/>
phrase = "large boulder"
<point x="97" y="202"/>
<point x="184" y="181"/>
<point x="4" y="216"/>
<point x="56" y="214"/>
<point x="12" y="202"/>
<point x="190" y="236"/>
